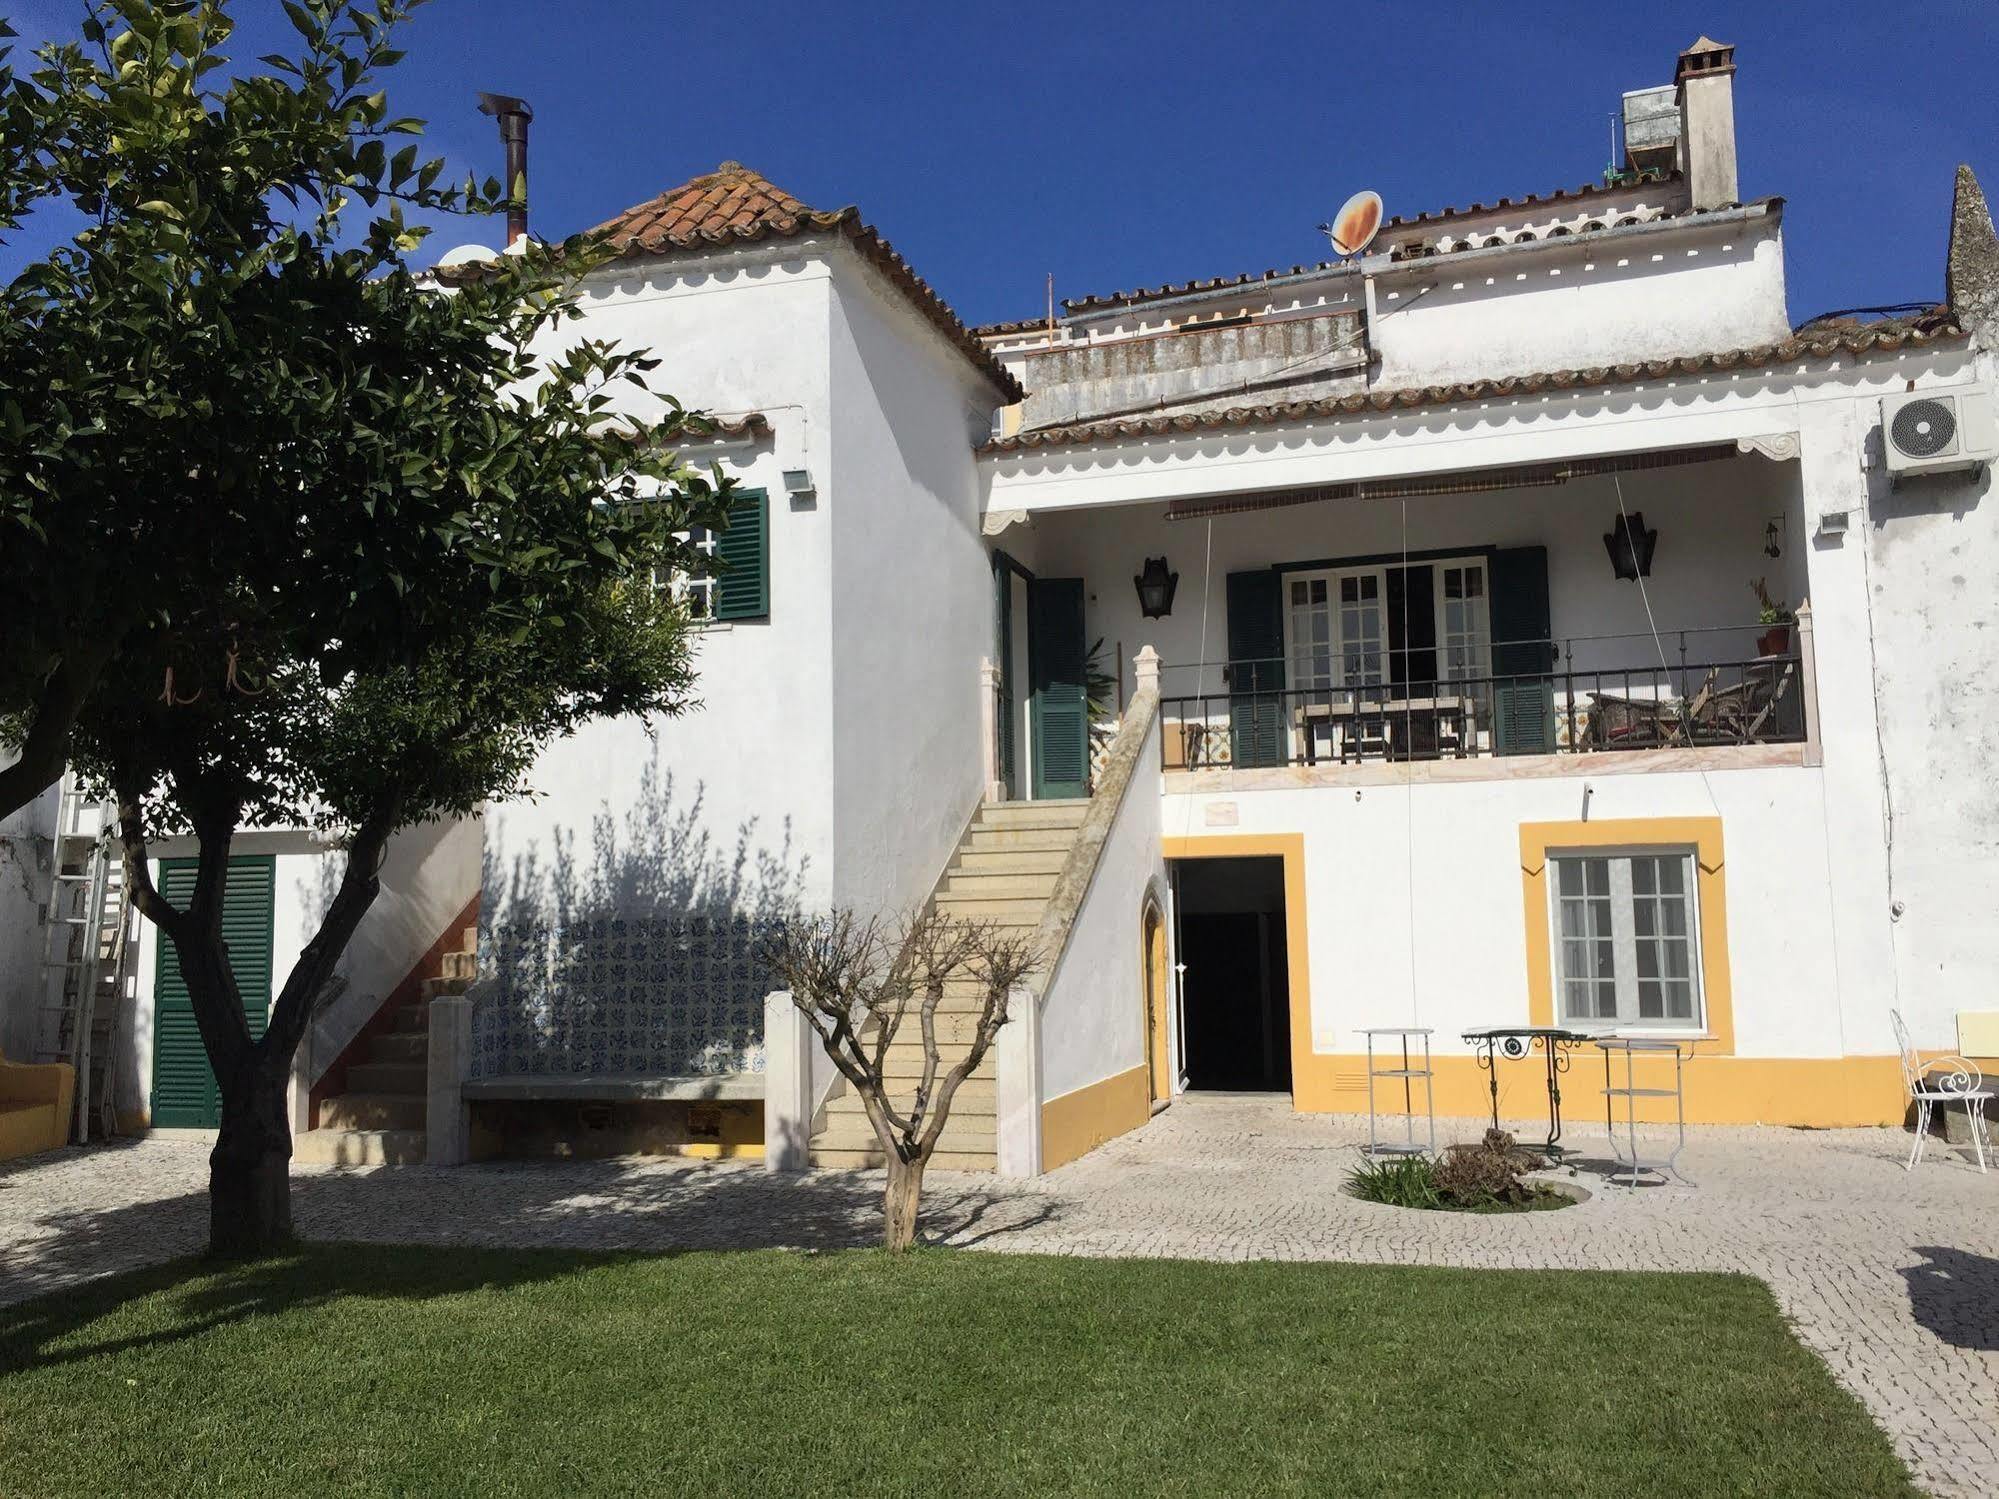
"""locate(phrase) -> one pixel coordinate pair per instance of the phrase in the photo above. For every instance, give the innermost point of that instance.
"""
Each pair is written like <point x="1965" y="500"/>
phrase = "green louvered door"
<point x="1523" y="656"/>
<point x="184" y="1092"/>
<point x="1058" y="670"/>
<point x="1257" y="734"/>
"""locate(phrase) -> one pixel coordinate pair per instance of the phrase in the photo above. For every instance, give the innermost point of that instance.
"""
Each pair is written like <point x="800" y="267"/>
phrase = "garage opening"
<point x="1235" y="987"/>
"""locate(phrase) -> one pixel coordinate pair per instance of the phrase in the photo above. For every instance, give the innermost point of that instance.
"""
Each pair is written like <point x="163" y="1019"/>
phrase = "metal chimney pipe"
<point x="514" y="117"/>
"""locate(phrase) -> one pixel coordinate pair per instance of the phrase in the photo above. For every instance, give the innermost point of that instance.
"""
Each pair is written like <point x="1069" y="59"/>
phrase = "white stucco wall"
<point x="1929" y="552"/>
<point x="912" y="613"/>
<point x="1641" y="294"/>
<point x="25" y="875"/>
<point x="746" y="773"/>
<point x="1414" y="897"/>
<point x="1093" y="1010"/>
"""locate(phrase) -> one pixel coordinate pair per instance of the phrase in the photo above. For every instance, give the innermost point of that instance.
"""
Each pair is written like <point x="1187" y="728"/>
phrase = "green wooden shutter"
<point x="1059" y="673"/>
<point x="1523" y="657"/>
<point x="185" y="1095"/>
<point x="742" y="590"/>
<point x="1256" y="667"/>
<point x="1003" y="653"/>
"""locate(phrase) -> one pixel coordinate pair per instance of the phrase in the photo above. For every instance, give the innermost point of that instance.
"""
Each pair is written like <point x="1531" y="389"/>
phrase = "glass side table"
<point x="1401" y="1037"/>
<point x="1628" y="1156"/>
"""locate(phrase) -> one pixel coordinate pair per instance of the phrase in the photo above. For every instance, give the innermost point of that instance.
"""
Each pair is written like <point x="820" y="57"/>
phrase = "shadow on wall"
<point x="637" y="956"/>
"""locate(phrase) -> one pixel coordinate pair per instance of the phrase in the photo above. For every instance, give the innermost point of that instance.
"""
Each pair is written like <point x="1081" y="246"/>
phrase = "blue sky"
<point x="1130" y="145"/>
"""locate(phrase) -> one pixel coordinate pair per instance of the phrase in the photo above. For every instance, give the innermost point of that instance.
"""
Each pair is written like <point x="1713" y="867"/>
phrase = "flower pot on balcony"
<point x="1775" y="641"/>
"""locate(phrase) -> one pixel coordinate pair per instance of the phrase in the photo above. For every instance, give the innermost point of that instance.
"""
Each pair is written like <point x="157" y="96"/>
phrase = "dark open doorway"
<point x="1236" y="987"/>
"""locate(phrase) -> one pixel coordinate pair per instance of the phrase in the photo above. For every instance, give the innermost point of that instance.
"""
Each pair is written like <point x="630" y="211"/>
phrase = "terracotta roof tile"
<point x="1811" y="342"/>
<point x="733" y="205"/>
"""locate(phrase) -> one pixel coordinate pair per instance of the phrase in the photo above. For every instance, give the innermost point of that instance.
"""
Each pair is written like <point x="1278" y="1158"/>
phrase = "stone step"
<point x="957" y="1024"/>
<point x="1019" y="840"/>
<point x="1062" y="814"/>
<point x="963" y="1132"/>
<point x="412" y="1018"/>
<point x="837" y="1159"/>
<point x="1016" y="912"/>
<point x="372" y="1111"/>
<point x="388" y="1077"/>
<point x="1047" y="861"/>
<point x="1000" y="884"/>
<point x="359" y="1147"/>
<point x="400" y="1046"/>
<point x="975" y="1094"/>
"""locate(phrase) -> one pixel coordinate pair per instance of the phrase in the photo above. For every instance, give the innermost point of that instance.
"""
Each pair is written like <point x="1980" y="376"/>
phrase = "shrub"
<point x="1402" y="1182"/>
<point x="1471" y="1174"/>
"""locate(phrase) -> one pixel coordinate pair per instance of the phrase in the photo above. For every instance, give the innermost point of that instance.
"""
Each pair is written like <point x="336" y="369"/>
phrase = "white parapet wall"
<point x="1082" y="1050"/>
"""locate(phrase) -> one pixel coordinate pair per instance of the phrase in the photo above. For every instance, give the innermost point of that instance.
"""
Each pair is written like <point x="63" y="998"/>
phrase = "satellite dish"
<point x="466" y="255"/>
<point x="1356" y="224"/>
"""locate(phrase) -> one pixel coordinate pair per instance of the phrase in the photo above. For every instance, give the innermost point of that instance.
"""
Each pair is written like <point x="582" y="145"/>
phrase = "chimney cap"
<point x="1705" y="58"/>
<point x="504" y="104"/>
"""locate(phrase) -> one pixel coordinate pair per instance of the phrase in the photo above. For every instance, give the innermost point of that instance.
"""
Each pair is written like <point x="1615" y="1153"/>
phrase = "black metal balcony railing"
<point x="1253" y="722"/>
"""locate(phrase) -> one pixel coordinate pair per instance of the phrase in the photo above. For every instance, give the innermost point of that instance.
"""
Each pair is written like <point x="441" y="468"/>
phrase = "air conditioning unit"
<point x="1939" y="431"/>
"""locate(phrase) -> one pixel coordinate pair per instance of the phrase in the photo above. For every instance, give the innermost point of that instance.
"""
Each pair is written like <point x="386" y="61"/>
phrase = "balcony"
<point x="1691" y="689"/>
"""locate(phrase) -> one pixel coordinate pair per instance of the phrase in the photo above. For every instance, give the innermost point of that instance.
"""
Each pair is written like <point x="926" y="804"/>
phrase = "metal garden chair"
<point x="1937" y="1083"/>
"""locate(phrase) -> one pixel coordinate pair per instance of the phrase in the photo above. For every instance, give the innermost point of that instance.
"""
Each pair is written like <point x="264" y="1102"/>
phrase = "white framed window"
<point x="1308" y="629"/>
<point x="1464" y="621"/>
<point x="1336" y="628"/>
<point x="1626" y="939"/>
<point x="696" y="592"/>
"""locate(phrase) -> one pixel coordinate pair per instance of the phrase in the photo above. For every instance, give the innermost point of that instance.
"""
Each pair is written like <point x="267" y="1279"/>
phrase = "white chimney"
<point x="1704" y="84"/>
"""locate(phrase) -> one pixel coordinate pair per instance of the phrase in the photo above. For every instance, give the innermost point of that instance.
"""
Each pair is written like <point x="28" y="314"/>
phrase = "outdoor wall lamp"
<point x="1630" y="546"/>
<point x="1155" y="588"/>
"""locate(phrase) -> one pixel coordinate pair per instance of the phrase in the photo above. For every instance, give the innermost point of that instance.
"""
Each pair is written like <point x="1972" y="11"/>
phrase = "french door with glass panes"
<point x="1336" y="629"/>
<point x="1336" y="638"/>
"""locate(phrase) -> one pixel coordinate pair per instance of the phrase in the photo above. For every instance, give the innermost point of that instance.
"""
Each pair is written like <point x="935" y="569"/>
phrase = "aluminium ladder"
<point x="85" y="947"/>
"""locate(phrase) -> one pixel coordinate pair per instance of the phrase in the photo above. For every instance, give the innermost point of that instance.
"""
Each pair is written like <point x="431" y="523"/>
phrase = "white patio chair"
<point x="1939" y="1082"/>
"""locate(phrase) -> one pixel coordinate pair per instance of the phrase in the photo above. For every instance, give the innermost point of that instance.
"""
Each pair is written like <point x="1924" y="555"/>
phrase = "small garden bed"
<point x="1489" y="1177"/>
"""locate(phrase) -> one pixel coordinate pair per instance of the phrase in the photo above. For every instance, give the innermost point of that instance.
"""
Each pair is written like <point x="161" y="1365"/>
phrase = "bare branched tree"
<point x="858" y="981"/>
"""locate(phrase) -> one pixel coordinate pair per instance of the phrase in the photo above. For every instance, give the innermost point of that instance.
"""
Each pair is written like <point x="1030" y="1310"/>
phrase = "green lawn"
<point x="351" y="1369"/>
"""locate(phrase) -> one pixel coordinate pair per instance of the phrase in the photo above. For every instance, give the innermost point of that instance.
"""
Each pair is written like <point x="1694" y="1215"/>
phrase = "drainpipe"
<point x="514" y="117"/>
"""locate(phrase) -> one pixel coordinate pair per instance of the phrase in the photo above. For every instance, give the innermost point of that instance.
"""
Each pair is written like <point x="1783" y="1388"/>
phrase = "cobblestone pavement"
<point x="1892" y="1277"/>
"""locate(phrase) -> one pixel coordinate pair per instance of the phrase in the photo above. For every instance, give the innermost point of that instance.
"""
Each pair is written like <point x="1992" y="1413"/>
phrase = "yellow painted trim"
<point x="1077" y="1123"/>
<point x="710" y="1150"/>
<point x="1306" y="1083"/>
<point x="1703" y="834"/>
<point x="1822" y="1092"/>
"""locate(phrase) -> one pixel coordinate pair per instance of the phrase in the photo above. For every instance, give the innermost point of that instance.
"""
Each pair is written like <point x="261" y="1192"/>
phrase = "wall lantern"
<point x="1630" y="546"/>
<point x="1155" y="588"/>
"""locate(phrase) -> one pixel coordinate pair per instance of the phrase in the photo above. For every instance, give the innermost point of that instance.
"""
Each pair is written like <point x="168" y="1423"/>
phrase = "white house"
<point x="1358" y="645"/>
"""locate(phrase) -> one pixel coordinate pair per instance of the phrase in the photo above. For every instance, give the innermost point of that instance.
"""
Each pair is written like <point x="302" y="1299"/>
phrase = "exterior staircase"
<point x="1004" y="871"/>
<point x="379" y="1119"/>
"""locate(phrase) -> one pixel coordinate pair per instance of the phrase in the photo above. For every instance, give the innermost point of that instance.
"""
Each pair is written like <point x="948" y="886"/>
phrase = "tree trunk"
<point x="905" y="1195"/>
<point x="249" y="1171"/>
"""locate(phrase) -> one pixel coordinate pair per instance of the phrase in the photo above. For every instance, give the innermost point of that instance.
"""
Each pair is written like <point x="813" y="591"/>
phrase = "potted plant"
<point x="1777" y="615"/>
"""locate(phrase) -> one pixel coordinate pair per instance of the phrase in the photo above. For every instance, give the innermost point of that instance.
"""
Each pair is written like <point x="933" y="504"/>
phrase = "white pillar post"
<point x="989" y="696"/>
<point x="788" y="1043"/>
<point x="447" y="1116"/>
<point x="1017" y="1085"/>
<point x="1808" y="683"/>
<point x="1145" y="669"/>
